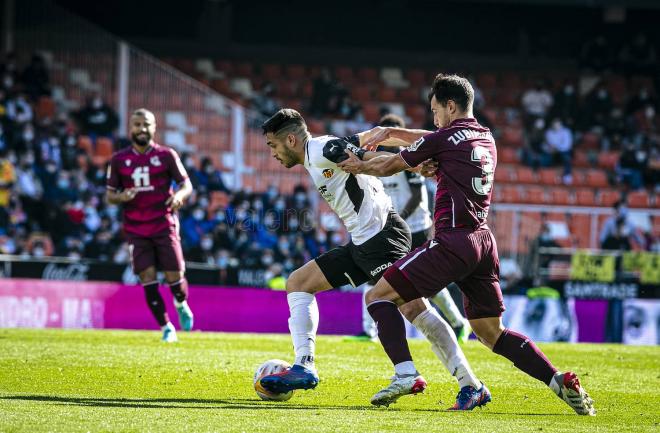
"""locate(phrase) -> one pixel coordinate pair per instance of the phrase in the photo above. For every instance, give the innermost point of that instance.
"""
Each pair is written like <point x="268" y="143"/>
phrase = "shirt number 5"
<point x="482" y="185"/>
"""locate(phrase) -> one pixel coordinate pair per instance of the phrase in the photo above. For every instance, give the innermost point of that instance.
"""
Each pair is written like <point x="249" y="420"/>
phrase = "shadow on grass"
<point x="228" y="403"/>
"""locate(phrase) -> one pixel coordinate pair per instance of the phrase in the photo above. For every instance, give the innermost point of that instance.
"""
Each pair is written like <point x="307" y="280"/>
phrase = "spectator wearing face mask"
<point x="96" y="118"/>
<point x="565" y="104"/>
<point x="204" y="252"/>
<point x="560" y="143"/>
<point x="620" y="221"/>
<point x="195" y="226"/>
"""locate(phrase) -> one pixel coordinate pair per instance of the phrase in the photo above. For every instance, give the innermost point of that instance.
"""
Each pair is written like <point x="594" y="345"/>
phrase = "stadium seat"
<point x="361" y="94"/>
<point x="411" y="95"/>
<point x="225" y="66"/>
<point x="608" y="160"/>
<point x="607" y="197"/>
<point x="508" y="193"/>
<point x="344" y="74"/>
<point x="596" y="178"/>
<point x="387" y="94"/>
<point x="638" y="199"/>
<point x="271" y="71"/>
<point x="525" y="175"/>
<point x="85" y="143"/>
<point x="549" y="176"/>
<point x="580" y="227"/>
<point x="371" y="111"/>
<point x="417" y="78"/>
<point x="585" y="197"/>
<point x="535" y="195"/>
<point x="507" y="155"/>
<point x="103" y="151"/>
<point x="560" y="196"/>
<point x="243" y="70"/>
<point x="368" y="75"/>
<point x="581" y="159"/>
<point x="486" y="81"/>
<point x="512" y="137"/>
<point x="45" y="108"/>
<point x="295" y="72"/>
<point x="590" y="141"/>
<point x="505" y="173"/>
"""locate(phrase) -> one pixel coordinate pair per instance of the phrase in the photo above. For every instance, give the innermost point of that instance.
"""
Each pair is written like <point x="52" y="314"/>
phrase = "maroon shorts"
<point x="162" y="252"/>
<point x="468" y="258"/>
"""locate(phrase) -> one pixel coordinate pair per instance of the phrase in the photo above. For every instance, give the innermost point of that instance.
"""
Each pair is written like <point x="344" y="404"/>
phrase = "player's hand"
<point x="375" y="136"/>
<point x="428" y="168"/>
<point x="174" y="203"/>
<point x="128" y="194"/>
<point x="352" y="164"/>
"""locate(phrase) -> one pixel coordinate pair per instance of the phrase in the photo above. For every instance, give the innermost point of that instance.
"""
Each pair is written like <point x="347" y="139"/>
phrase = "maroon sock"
<point x="180" y="290"/>
<point x="156" y="303"/>
<point x="525" y="355"/>
<point x="391" y="331"/>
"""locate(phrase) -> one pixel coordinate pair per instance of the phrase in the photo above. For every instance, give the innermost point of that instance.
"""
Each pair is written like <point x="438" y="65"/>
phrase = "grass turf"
<point x="65" y="380"/>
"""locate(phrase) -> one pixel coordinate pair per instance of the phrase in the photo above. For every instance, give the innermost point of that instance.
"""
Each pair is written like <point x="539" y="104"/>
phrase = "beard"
<point x="142" y="139"/>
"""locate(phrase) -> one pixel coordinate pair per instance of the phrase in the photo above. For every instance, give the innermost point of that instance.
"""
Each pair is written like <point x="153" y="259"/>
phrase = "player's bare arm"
<point x="380" y="165"/>
<point x="177" y="199"/>
<point x="116" y="197"/>
<point x="391" y="136"/>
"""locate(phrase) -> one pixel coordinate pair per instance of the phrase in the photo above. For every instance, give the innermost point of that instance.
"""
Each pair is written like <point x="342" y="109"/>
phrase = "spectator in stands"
<point x="565" y="104"/>
<point x="536" y="103"/>
<point x="35" y="78"/>
<point x="638" y="56"/>
<point x="207" y="178"/>
<point x="597" y="108"/>
<point x="560" y="144"/>
<point x="7" y="180"/>
<point x="620" y="215"/>
<point x="640" y="100"/>
<point x="617" y="239"/>
<point x="323" y="91"/>
<point x="96" y="118"/>
<point x="631" y="166"/>
<point x="652" y="172"/>
<point x="204" y="251"/>
<point x="19" y="111"/>
<point x="536" y="152"/>
<point x="264" y="101"/>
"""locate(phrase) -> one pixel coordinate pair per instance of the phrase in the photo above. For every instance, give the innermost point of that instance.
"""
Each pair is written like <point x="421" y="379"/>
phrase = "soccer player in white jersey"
<point x="410" y="199"/>
<point x="379" y="237"/>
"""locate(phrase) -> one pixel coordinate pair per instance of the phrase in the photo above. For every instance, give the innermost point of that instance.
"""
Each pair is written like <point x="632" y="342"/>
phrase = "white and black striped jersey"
<point x="359" y="200"/>
<point x="398" y="187"/>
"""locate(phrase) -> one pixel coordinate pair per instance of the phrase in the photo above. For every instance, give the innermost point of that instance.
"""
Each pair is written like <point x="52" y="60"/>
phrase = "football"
<point x="270" y="367"/>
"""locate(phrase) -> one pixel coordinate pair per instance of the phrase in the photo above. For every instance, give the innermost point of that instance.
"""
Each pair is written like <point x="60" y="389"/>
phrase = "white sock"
<point x="448" y="307"/>
<point x="405" y="368"/>
<point x="368" y="324"/>
<point x="556" y="383"/>
<point x="303" y="323"/>
<point x="178" y="304"/>
<point x="167" y="325"/>
<point x="444" y="345"/>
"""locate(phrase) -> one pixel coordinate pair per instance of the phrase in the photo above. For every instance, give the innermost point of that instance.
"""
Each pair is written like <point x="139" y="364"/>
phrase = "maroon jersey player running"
<point x="140" y="178"/>
<point x="463" y="249"/>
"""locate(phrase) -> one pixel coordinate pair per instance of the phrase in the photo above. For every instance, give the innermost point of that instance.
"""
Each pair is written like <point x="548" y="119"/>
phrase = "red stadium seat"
<point x="386" y="94"/>
<point x="344" y="74"/>
<point x="271" y="71"/>
<point x="295" y="72"/>
<point x="243" y="70"/>
<point x="371" y="111"/>
<point x="638" y="199"/>
<point x="596" y="178"/>
<point x="410" y="95"/>
<point x="607" y="197"/>
<point x="581" y="159"/>
<point x="505" y="173"/>
<point x="590" y="141"/>
<point x="417" y="77"/>
<point x="45" y="108"/>
<point x="368" y="75"/>
<point x="525" y="175"/>
<point x="85" y="143"/>
<point x="608" y="160"/>
<point x="585" y="197"/>
<point x="560" y="196"/>
<point x="508" y="194"/>
<point x="512" y="137"/>
<point x="535" y="195"/>
<point x="224" y="66"/>
<point x="507" y="155"/>
<point x="549" y="176"/>
<point x="580" y="227"/>
<point x="361" y="93"/>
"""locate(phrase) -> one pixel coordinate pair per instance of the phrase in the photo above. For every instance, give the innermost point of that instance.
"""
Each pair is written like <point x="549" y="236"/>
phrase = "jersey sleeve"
<point x="176" y="168"/>
<point x="112" y="180"/>
<point x="413" y="178"/>
<point x="335" y="150"/>
<point x="421" y="150"/>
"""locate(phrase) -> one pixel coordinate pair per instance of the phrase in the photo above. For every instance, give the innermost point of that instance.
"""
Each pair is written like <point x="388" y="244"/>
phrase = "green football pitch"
<point x="61" y="380"/>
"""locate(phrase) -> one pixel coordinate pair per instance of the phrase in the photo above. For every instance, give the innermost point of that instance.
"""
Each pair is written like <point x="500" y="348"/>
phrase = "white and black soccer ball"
<point x="271" y="366"/>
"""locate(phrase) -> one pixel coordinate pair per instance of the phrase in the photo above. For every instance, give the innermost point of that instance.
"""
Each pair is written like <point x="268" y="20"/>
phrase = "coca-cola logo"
<point x="74" y="271"/>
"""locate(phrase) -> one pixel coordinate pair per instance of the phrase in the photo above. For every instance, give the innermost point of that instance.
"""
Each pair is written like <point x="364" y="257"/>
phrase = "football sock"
<point x="303" y="323"/>
<point x="405" y="368"/>
<point x="444" y="345"/>
<point x="525" y="355"/>
<point x="391" y="330"/>
<point x="368" y="325"/>
<point x="448" y="307"/>
<point x="155" y="302"/>
<point x="180" y="290"/>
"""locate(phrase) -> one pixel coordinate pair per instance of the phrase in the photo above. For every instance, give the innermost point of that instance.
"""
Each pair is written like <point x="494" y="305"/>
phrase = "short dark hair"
<point x="458" y="89"/>
<point x="285" y="118"/>
<point x="391" y="119"/>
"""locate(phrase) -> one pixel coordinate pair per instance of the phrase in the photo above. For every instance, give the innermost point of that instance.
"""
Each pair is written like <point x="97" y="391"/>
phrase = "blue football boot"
<point x="296" y="377"/>
<point x="469" y="397"/>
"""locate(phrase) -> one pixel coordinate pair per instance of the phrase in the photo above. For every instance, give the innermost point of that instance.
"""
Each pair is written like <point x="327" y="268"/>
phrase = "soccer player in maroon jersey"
<point x="140" y="178"/>
<point x="463" y="249"/>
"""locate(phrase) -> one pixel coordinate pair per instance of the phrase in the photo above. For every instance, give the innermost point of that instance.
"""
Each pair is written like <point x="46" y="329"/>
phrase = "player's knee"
<point x="487" y="335"/>
<point x="412" y="309"/>
<point x="147" y="275"/>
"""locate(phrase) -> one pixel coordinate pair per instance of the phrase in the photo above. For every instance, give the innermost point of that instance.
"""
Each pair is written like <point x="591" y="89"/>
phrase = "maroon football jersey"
<point x="466" y="156"/>
<point x="152" y="173"/>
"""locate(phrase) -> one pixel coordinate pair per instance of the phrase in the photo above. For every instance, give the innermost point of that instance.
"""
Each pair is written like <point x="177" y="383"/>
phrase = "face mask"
<point x="38" y="252"/>
<point x="50" y="168"/>
<point x="321" y="238"/>
<point x="569" y="90"/>
<point x="97" y="103"/>
<point x="207" y="244"/>
<point x="209" y="170"/>
<point x="8" y="82"/>
<point x="267" y="260"/>
<point x="198" y="214"/>
<point x="63" y="183"/>
<point x="203" y="202"/>
<point x="284" y="245"/>
<point x="272" y="193"/>
<point x="300" y="196"/>
<point x="223" y="262"/>
<point x="279" y="205"/>
<point x="602" y="94"/>
<point x="336" y="238"/>
<point x="28" y="135"/>
<point x="649" y="112"/>
<point x="220" y="216"/>
<point x="293" y="224"/>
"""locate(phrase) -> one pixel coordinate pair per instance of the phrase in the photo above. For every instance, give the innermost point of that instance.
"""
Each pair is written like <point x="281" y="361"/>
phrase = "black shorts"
<point x="356" y="264"/>
<point x="418" y="238"/>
